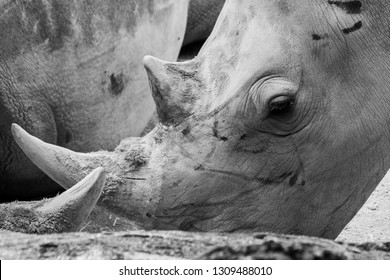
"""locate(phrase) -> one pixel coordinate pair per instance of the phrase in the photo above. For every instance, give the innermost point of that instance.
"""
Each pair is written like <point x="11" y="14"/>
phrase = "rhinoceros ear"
<point x="171" y="85"/>
<point x="65" y="167"/>
<point x="64" y="213"/>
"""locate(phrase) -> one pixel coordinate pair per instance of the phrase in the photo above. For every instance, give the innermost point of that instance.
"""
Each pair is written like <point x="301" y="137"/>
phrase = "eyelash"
<point x="282" y="106"/>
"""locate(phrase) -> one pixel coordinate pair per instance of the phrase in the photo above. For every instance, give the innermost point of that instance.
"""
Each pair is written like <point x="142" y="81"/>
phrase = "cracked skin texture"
<point x="71" y="74"/>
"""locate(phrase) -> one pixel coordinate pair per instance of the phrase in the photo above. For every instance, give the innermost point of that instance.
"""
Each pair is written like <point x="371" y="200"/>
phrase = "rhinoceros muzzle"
<point x="131" y="188"/>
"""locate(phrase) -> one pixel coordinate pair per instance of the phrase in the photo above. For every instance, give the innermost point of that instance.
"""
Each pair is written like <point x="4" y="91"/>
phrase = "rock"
<point x="182" y="245"/>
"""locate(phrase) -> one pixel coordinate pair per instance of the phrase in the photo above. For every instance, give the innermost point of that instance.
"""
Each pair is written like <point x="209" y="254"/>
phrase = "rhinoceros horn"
<point x="171" y="85"/>
<point x="66" y="212"/>
<point x="62" y="165"/>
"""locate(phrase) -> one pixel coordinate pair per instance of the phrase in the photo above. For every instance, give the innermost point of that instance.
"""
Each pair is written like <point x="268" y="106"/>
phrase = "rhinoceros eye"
<point x="281" y="105"/>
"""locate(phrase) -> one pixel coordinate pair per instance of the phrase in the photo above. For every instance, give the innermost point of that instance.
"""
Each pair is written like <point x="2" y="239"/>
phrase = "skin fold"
<point x="280" y="124"/>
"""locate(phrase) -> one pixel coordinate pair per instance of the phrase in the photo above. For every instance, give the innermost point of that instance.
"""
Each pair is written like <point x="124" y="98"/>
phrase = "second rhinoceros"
<point x="280" y="124"/>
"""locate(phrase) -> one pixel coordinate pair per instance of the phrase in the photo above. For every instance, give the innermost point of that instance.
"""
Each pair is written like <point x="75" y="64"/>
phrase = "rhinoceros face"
<point x="274" y="125"/>
<point x="280" y="124"/>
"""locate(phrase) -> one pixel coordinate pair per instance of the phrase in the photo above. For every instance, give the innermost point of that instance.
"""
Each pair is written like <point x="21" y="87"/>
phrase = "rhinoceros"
<point x="280" y="124"/>
<point x="72" y="74"/>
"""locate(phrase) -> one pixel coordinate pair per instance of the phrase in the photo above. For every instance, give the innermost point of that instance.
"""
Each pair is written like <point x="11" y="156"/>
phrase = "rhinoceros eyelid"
<point x="267" y="77"/>
<point x="277" y="88"/>
<point x="280" y="104"/>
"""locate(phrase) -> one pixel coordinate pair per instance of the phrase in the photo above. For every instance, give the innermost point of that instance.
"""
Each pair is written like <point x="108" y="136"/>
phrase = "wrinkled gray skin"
<point x="72" y="74"/>
<point x="280" y="124"/>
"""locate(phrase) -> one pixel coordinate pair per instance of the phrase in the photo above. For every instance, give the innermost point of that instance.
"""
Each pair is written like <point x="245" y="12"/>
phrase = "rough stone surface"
<point x="181" y="245"/>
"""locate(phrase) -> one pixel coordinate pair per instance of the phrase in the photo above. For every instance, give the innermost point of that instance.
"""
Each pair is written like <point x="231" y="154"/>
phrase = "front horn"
<point x="65" y="167"/>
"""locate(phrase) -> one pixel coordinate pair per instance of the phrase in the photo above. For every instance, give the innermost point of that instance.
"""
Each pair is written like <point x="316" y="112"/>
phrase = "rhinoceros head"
<point x="279" y="124"/>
